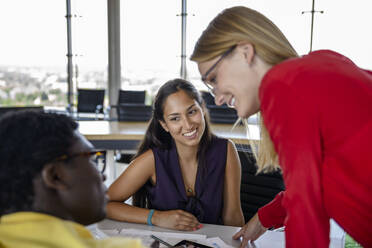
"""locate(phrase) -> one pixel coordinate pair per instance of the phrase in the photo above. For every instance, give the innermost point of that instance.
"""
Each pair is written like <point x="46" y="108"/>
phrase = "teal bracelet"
<point x="149" y="217"/>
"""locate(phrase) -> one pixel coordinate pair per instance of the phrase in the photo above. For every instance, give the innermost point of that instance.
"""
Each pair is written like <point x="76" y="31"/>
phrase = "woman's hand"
<point x="250" y="231"/>
<point x="176" y="219"/>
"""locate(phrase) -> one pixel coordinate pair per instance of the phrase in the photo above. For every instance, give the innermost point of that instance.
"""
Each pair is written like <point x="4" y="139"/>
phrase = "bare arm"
<point x="130" y="181"/>
<point x="232" y="212"/>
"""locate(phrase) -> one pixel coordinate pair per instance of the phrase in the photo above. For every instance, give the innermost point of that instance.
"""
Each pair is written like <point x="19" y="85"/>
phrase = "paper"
<point x="217" y="243"/>
<point x="169" y="237"/>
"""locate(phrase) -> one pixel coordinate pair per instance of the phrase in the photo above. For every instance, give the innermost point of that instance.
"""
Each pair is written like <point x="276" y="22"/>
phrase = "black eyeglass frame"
<point x="85" y="154"/>
<point x="204" y="77"/>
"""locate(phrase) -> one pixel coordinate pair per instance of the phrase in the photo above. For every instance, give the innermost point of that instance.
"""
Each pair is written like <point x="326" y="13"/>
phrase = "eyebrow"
<point x="175" y="114"/>
<point x="227" y="52"/>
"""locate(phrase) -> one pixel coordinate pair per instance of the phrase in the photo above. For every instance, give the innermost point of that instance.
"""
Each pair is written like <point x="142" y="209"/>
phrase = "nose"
<point x="187" y="124"/>
<point x="219" y="99"/>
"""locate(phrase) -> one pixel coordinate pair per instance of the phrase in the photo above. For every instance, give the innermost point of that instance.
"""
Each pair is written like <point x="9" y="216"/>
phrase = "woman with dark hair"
<point x="182" y="175"/>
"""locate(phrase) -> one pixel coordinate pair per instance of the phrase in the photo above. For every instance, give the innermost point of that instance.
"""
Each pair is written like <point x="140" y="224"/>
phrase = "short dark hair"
<point x="28" y="141"/>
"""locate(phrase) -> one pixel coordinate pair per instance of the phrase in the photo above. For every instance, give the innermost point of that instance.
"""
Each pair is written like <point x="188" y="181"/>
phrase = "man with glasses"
<point x="51" y="184"/>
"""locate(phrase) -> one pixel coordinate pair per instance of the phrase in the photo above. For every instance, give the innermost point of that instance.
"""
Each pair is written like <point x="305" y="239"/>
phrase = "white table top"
<point x="271" y="239"/>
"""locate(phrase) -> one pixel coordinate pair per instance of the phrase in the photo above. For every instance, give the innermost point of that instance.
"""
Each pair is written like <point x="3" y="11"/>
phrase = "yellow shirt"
<point x="36" y="230"/>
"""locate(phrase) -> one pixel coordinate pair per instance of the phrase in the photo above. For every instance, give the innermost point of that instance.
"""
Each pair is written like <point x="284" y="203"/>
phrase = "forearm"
<point x="236" y="219"/>
<point x="124" y="212"/>
<point x="273" y="214"/>
<point x="233" y="217"/>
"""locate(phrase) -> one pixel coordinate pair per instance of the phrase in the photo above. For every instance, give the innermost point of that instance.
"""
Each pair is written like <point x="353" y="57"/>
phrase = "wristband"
<point x="149" y="217"/>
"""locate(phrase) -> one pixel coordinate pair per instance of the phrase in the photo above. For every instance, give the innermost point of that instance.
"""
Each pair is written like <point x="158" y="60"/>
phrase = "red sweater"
<point x="318" y="111"/>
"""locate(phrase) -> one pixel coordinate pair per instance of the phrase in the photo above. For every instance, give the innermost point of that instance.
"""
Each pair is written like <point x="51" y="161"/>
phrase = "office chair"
<point x="208" y="98"/>
<point x="132" y="96"/>
<point x="222" y="114"/>
<point x="256" y="189"/>
<point x="129" y="96"/>
<point x="131" y="107"/>
<point x="134" y="112"/>
<point x="90" y="101"/>
<point x="218" y="114"/>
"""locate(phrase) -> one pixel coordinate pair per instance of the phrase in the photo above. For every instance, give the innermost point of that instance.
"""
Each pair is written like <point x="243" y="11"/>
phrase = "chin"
<point x="243" y="114"/>
<point x="100" y="216"/>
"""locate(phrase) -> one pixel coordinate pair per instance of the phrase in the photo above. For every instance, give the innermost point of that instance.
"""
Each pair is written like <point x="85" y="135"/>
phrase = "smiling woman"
<point x="184" y="174"/>
<point x="303" y="102"/>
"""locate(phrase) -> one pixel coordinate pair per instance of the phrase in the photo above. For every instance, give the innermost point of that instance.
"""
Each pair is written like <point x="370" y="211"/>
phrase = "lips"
<point x="190" y="134"/>
<point x="231" y="103"/>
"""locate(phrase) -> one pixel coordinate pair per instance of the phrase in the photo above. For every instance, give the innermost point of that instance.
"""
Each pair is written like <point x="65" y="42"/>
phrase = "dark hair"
<point x="157" y="137"/>
<point x="29" y="140"/>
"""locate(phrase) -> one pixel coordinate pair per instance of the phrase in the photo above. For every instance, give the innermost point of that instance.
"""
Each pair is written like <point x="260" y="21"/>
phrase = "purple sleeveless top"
<point x="169" y="193"/>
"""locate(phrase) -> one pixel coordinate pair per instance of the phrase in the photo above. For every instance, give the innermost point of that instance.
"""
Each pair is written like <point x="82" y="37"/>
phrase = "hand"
<point x="250" y="231"/>
<point x="176" y="219"/>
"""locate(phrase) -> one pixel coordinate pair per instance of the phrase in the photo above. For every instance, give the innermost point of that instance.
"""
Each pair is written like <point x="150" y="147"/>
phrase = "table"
<point x="271" y="239"/>
<point x="115" y="135"/>
<point x="123" y="135"/>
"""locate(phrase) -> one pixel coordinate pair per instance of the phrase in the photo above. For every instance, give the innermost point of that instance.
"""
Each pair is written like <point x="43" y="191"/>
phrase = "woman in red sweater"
<point x="317" y="125"/>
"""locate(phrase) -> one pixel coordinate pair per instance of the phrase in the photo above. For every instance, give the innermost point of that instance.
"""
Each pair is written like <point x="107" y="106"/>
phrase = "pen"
<point x="161" y="241"/>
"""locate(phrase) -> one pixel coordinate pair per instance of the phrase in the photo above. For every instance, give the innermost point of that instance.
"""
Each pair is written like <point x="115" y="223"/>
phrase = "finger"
<point x="238" y="234"/>
<point x="244" y="242"/>
<point x="189" y="223"/>
<point x="182" y="227"/>
<point x="188" y="220"/>
<point x="187" y="214"/>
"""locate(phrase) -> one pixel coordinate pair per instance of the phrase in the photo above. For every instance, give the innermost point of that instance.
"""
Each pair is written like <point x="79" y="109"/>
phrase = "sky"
<point x="33" y="33"/>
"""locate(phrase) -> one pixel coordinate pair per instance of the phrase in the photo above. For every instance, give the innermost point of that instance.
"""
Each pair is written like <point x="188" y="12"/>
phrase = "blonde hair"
<point x="242" y="24"/>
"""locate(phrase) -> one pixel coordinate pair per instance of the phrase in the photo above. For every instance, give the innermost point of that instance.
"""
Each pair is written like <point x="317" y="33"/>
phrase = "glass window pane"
<point x="150" y="43"/>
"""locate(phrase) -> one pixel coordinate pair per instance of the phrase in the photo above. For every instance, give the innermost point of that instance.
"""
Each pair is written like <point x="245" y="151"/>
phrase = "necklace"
<point x="189" y="190"/>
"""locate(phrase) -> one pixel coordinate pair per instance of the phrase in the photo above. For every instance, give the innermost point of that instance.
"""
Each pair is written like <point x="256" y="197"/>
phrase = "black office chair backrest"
<point x="4" y="110"/>
<point x="222" y="114"/>
<point x="134" y="112"/>
<point x="90" y="100"/>
<point x="208" y="98"/>
<point x="256" y="190"/>
<point x="132" y="96"/>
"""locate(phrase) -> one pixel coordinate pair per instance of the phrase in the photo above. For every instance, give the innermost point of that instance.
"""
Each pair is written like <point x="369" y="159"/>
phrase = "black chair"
<point x="219" y="114"/>
<point x="4" y="110"/>
<point x="90" y="101"/>
<point x="134" y="112"/>
<point x="222" y="114"/>
<point x="208" y="98"/>
<point x="131" y="112"/>
<point x="256" y="189"/>
<point x="129" y="97"/>
<point x="132" y="96"/>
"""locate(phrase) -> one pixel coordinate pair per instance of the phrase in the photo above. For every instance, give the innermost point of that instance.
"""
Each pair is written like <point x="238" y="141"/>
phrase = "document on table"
<point x="169" y="237"/>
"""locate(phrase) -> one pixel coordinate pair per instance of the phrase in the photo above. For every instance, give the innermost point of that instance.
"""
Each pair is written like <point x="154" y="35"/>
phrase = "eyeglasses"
<point x="204" y="77"/>
<point x="98" y="157"/>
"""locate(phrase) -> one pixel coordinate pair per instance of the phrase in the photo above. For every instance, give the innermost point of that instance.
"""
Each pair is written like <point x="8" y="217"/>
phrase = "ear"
<point x="54" y="176"/>
<point x="164" y="125"/>
<point x="248" y="51"/>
